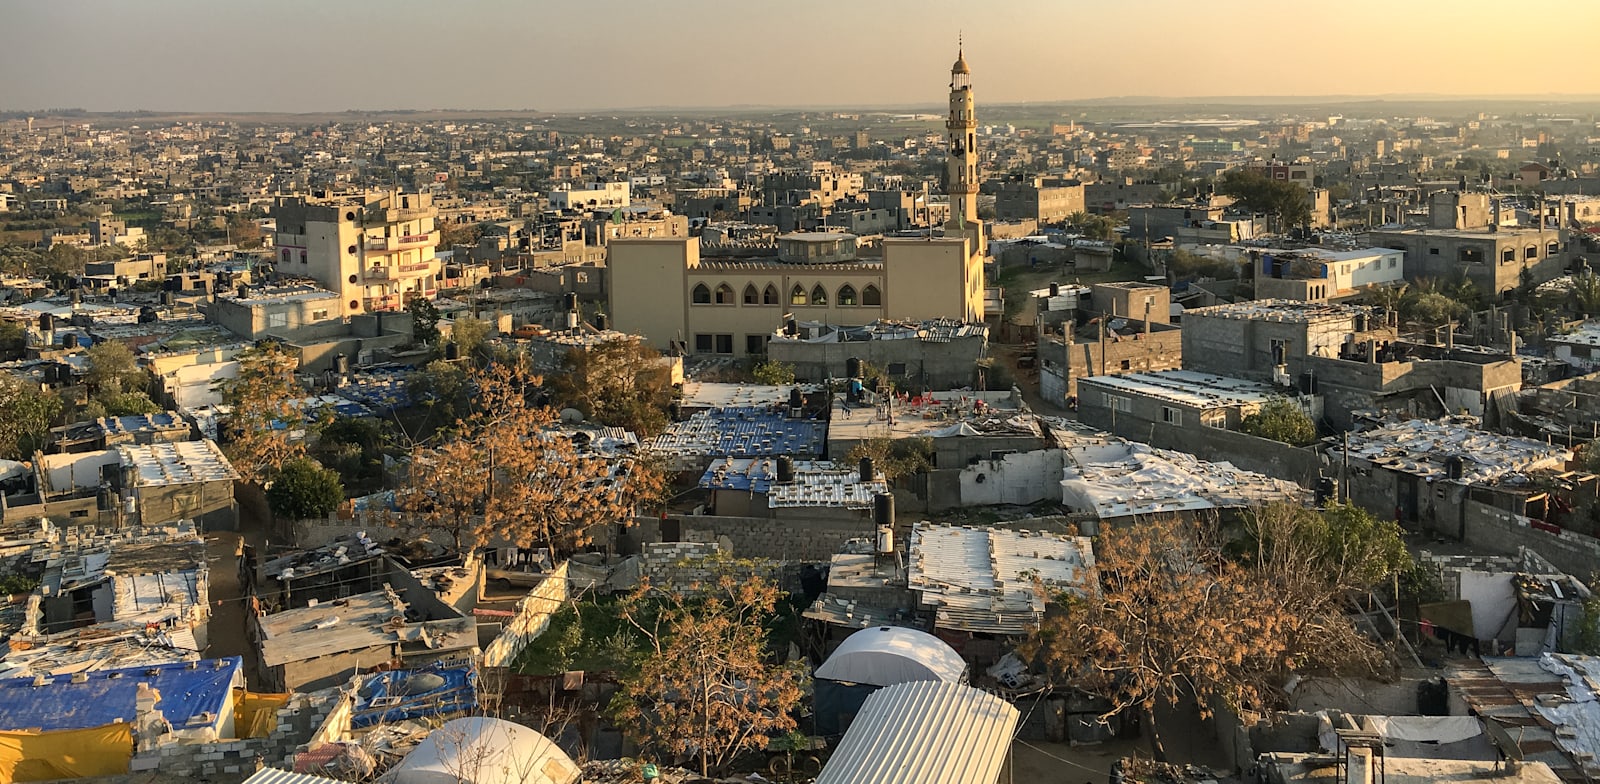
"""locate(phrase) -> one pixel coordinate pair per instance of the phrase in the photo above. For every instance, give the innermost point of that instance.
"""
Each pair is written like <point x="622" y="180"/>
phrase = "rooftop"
<point x="1428" y="448"/>
<point x="190" y="692"/>
<point x="1112" y="478"/>
<point x="1287" y="310"/>
<point x="1586" y="334"/>
<point x="712" y="394"/>
<point x="368" y="620"/>
<point x="1320" y="769"/>
<point x="932" y="331"/>
<point x="273" y="295"/>
<point x="934" y="415"/>
<point x="185" y="462"/>
<point x="982" y="579"/>
<point x="740" y="432"/>
<point x="1187" y="387"/>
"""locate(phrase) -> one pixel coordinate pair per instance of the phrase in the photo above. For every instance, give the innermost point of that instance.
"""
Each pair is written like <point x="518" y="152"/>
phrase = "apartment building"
<point x="375" y="251"/>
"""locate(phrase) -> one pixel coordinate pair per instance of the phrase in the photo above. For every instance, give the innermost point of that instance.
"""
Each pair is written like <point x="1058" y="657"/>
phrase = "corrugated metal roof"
<point x="926" y="732"/>
<point x="275" y="776"/>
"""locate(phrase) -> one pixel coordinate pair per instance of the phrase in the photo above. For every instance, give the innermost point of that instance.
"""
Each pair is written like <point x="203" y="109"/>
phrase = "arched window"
<point x="797" y="295"/>
<point x="871" y="297"/>
<point x="286" y="255"/>
<point x="770" y="296"/>
<point x="1530" y="252"/>
<point x="1552" y="249"/>
<point x="1509" y="254"/>
<point x="702" y="295"/>
<point x="847" y="295"/>
<point x="725" y="294"/>
<point x="751" y="296"/>
<point x="819" y="295"/>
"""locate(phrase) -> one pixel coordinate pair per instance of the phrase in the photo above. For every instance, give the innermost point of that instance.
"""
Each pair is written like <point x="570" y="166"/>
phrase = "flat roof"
<point x="1187" y="387"/>
<point x="1424" y="448"/>
<point x="1293" y="311"/>
<point x="368" y="620"/>
<point x="1112" y="477"/>
<point x="184" y="462"/>
<point x="935" y="415"/>
<point x="982" y="579"/>
<point x="96" y="699"/>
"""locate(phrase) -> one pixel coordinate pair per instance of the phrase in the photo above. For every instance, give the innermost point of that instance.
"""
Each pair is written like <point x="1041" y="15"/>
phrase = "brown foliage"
<point x="706" y="690"/>
<point x="263" y="394"/>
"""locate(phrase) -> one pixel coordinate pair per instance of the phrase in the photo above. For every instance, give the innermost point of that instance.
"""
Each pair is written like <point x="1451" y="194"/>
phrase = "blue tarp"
<point x="107" y="696"/>
<point x="387" y="697"/>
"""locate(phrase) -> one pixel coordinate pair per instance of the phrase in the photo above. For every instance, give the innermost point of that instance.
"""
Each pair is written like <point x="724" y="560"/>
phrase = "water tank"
<point x="147" y="315"/>
<point x="883" y="509"/>
<point x="1327" y="490"/>
<point x="885" y="540"/>
<point x="112" y="293"/>
<point x="785" y="469"/>
<point x="47" y="322"/>
<point x="242" y="292"/>
<point x="452" y="351"/>
<point x="852" y="367"/>
<point x="1308" y="383"/>
<point x="602" y="322"/>
<point x="569" y="302"/>
<point x="1455" y="467"/>
<point x="69" y="340"/>
<point x="341" y="364"/>
<point x="790" y="327"/>
<point x="1055" y="289"/>
<point x="796" y="400"/>
<point x="1361" y="322"/>
<point x="866" y="469"/>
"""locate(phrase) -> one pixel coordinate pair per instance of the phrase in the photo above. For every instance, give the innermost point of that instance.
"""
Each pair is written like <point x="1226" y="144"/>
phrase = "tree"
<point x="622" y="383"/>
<point x="774" y="373"/>
<point x="1280" y="419"/>
<point x="13" y="341"/>
<point x="1095" y="227"/>
<point x="113" y="370"/>
<point x="1286" y="201"/>
<point x="123" y="404"/>
<point x="424" y="320"/>
<point x="303" y="490"/>
<point x="706" y="689"/>
<point x="26" y="414"/>
<point x="244" y="231"/>
<point x="448" y="491"/>
<point x="894" y="457"/>
<point x="259" y="432"/>
<point x="469" y="333"/>
<point x="1585" y="294"/>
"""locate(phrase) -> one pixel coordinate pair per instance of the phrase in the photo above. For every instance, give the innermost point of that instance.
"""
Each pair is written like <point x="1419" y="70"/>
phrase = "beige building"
<point x="374" y="251"/>
<point x="663" y="289"/>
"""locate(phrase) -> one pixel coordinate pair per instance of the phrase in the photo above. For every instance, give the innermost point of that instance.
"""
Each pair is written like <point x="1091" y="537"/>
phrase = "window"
<point x="1431" y="252"/>
<point x="725" y="294"/>
<point x="1530" y="252"/>
<point x="755" y="344"/>
<point x="1391" y="262"/>
<point x="770" y="295"/>
<point x="1171" y="416"/>
<point x="847" y="295"/>
<point x="1508" y="255"/>
<point x="1471" y="255"/>
<point x="751" y="296"/>
<point x="1116" y="402"/>
<point x="870" y="296"/>
<point x="724" y="344"/>
<point x="819" y="295"/>
<point x="302" y="257"/>
<point x="286" y="255"/>
<point x="1214" y="419"/>
<point x="702" y="295"/>
<point x="277" y="320"/>
<point x="1127" y="364"/>
<point x="318" y="315"/>
<point x="1552" y="249"/>
<point x="797" y="295"/>
<point x="897" y="369"/>
<point x="702" y="344"/>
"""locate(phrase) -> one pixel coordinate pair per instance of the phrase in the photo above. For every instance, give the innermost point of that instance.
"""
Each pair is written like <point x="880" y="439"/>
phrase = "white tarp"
<point x="886" y="655"/>
<point x="481" y="750"/>
<point x="1426" y="729"/>
<point x="926" y="733"/>
<point x="1578" y="721"/>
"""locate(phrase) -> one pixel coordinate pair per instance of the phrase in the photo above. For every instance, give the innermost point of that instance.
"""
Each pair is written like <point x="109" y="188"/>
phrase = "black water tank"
<point x="602" y="322"/>
<point x="147" y="315"/>
<point x="1327" y="489"/>
<point x="852" y="367"/>
<point x="866" y="469"/>
<point x="1308" y="383"/>
<point x="47" y="322"/>
<point x="69" y="340"/>
<point x="796" y="400"/>
<point x="1055" y="289"/>
<point x="1455" y="467"/>
<point x="112" y="293"/>
<point x="243" y="291"/>
<point x="883" y="509"/>
<point x="785" y="469"/>
<point x="790" y="328"/>
<point x="341" y="364"/>
<point x="452" y="351"/>
<point x="569" y="302"/>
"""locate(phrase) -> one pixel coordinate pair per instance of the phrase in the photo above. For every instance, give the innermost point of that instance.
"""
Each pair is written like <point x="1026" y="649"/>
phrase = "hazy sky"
<point x="322" y="55"/>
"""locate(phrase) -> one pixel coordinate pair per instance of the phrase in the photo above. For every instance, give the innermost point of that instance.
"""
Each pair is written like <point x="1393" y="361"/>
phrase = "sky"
<point x="577" y="55"/>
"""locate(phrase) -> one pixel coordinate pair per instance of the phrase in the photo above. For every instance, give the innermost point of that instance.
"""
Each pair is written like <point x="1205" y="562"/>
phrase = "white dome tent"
<point x="481" y="750"/>
<point x="876" y="657"/>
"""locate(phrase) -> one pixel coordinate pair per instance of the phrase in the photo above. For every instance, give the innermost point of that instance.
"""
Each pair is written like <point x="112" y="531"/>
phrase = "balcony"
<point x="406" y="242"/>
<point x="379" y="273"/>
<point x="386" y="302"/>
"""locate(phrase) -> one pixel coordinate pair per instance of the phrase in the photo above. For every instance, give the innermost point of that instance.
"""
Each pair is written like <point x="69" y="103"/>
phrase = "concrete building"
<point x="1182" y="398"/>
<point x="281" y="311"/>
<point x="1320" y="275"/>
<point x="1466" y="237"/>
<point x="1268" y="340"/>
<point x="1152" y="222"/>
<point x="1111" y="481"/>
<point x="1041" y="199"/>
<point x="375" y="251"/>
<point x="1132" y="299"/>
<point x="935" y="354"/>
<point x="144" y="267"/>
<point x="598" y="196"/>
<point x="662" y="289"/>
<point x="1106" y="347"/>
<point x="108" y="231"/>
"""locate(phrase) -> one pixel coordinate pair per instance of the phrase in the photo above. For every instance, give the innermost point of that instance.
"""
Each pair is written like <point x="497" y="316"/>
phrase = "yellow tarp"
<point x="66" y="754"/>
<point x="256" y="715"/>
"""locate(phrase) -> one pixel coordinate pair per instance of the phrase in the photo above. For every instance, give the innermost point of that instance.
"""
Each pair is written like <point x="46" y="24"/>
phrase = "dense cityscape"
<point x="1167" y="440"/>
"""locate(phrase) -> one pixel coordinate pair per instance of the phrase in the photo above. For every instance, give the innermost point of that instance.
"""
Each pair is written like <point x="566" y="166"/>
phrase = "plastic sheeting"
<point x="66" y="754"/>
<point x="188" y="690"/>
<point x="387" y="697"/>
<point x="256" y="715"/>
<point x="480" y="750"/>
<point x="886" y="655"/>
<point x="925" y="732"/>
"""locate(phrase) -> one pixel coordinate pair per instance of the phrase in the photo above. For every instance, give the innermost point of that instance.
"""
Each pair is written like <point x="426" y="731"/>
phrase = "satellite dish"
<point x="571" y="415"/>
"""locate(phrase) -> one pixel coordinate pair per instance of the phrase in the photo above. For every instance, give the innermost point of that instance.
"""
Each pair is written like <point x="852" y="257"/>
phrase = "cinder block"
<point x="144" y="763"/>
<point x="230" y="768"/>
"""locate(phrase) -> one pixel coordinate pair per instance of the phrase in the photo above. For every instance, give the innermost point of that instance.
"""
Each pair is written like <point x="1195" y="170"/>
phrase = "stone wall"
<point x="298" y="720"/>
<point x="1498" y="531"/>
<point x="532" y="619"/>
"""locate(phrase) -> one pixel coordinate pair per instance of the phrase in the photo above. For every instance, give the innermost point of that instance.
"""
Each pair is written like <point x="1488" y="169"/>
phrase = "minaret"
<point x="961" y="171"/>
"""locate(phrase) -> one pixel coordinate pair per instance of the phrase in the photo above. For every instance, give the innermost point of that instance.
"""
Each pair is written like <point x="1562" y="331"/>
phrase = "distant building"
<point x="1046" y="200"/>
<point x="936" y="354"/>
<point x="1318" y="275"/>
<point x="374" y="251"/>
<point x="599" y="196"/>
<point x="1466" y="237"/>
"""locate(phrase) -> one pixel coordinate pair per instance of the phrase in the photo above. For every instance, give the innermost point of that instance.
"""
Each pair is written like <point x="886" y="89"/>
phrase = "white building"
<point x="598" y="196"/>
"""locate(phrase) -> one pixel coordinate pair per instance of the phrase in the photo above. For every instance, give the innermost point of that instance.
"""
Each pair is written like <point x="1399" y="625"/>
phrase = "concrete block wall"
<point x="1499" y="531"/>
<point x="534" y="612"/>
<point x="237" y="758"/>
<point x="678" y="567"/>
